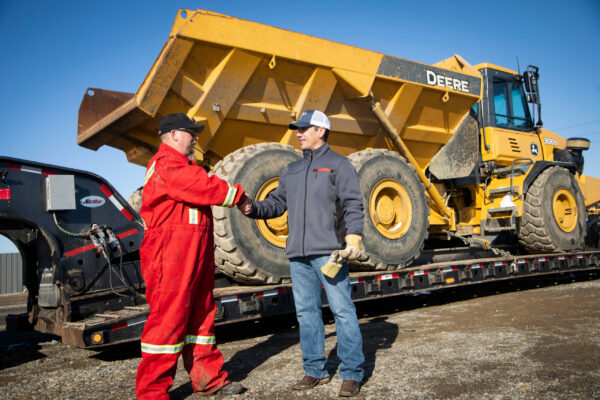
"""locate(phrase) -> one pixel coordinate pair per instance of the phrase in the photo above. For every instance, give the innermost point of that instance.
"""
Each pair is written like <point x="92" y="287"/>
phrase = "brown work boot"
<point x="349" y="388"/>
<point x="308" y="382"/>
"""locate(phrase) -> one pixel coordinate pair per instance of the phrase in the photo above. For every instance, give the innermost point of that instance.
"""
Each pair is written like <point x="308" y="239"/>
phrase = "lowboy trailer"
<point x="79" y="241"/>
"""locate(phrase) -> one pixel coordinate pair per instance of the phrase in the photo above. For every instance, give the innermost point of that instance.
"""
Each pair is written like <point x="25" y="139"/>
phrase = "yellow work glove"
<point x="352" y="249"/>
<point x="350" y="252"/>
<point x="333" y="265"/>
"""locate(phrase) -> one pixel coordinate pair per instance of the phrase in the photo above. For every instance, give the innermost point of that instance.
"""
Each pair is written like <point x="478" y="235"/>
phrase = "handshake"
<point x="244" y="205"/>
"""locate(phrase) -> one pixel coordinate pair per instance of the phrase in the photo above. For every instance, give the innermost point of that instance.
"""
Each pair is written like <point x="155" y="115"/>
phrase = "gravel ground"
<point x="497" y="341"/>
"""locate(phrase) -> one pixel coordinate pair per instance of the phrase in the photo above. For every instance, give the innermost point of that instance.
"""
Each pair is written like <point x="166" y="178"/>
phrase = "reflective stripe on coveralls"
<point x="230" y="197"/>
<point x="193" y="212"/>
<point x="149" y="172"/>
<point x="176" y="348"/>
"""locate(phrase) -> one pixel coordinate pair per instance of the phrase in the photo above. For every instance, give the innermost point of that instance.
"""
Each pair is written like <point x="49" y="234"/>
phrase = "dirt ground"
<point x="493" y="341"/>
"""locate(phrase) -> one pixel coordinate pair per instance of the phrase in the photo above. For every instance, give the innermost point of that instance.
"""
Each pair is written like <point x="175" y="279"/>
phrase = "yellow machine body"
<point x="246" y="82"/>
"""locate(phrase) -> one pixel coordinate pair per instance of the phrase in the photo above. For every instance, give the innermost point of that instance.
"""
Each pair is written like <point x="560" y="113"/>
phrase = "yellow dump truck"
<point x="442" y="151"/>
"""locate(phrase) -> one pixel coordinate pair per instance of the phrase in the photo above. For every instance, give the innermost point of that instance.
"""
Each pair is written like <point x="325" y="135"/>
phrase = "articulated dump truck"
<point x="445" y="153"/>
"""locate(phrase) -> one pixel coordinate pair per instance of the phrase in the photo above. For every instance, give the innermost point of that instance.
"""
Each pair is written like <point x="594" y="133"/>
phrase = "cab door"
<point x="508" y="129"/>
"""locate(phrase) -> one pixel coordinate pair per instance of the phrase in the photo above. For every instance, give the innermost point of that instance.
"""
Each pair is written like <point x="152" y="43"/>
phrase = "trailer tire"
<point x="396" y="212"/>
<point x="554" y="215"/>
<point x="253" y="251"/>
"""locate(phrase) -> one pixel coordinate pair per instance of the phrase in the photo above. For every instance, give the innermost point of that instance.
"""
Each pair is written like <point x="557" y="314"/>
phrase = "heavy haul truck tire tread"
<point x="253" y="251"/>
<point x="554" y="215"/>
<point x="396" y="212"/>
<point x="135" y="200"/>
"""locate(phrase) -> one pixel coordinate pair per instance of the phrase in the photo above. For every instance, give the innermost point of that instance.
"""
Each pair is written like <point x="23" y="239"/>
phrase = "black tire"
<point x="544" y="230"/>
<point x="241" y="250"/>
<point x="391" y="249"/>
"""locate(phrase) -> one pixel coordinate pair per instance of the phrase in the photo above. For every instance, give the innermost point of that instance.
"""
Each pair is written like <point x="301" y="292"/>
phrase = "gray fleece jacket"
<point x="322" y="196"/>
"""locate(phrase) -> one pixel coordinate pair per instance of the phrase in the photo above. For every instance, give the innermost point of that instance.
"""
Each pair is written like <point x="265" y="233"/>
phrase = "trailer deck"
<point x="242" y="303"/>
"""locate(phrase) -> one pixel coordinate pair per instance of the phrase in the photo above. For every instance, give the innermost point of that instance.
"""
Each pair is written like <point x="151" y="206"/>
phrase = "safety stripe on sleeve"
<point x="189" y="339"/>
<point x="230" y="197"/>
<point x="162" y="349"/>
<point x="149" y="172"/>
<point x="193" y="212"/>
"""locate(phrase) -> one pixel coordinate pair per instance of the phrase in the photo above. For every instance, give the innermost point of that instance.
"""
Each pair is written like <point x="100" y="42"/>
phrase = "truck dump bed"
<point x="246" y="82"/>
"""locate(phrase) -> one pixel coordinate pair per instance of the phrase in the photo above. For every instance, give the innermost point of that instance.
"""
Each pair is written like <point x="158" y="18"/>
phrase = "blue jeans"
<point x="307" y="279"/>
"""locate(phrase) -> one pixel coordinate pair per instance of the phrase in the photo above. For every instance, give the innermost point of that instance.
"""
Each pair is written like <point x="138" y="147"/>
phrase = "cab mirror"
<point x="530" y="78"/>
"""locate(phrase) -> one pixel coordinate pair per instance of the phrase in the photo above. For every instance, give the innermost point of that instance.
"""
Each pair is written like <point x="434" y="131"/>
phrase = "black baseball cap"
<point x="178" y="122"/>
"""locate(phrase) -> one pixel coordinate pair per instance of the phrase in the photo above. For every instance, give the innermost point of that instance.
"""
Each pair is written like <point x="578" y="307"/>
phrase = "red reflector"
<point x="4" y="194"/>
<point x="12" y="166"/>
<point x="282" y="290"/>
<point x="79" y="250"/>
<point x="128" y="233"/>
<point x="119" y="326"/>
<point x="126" y="214"/>
<point x="105" y="190"/>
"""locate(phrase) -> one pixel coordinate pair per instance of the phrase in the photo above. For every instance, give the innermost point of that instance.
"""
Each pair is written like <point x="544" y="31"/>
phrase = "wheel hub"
<point x="390" y="208"/>
<point x="274" y="230"/>
<point x="564" y="208"/>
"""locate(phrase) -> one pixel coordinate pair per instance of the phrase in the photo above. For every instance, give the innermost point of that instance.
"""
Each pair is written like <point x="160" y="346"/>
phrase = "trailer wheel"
<point x="396" y="211"/>
<point x="253" y="251"/>
<point x="554" y="215"/>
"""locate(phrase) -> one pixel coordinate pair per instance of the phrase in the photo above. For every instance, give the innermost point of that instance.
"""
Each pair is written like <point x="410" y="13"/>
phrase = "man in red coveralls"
<point x="177" y="263"/>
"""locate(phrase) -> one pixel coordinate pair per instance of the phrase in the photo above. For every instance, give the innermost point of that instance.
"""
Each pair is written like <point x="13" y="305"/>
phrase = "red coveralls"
<point x="177" y="262"/>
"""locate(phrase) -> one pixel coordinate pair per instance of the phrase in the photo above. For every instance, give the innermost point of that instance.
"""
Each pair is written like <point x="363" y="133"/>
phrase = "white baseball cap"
<point x="311" y="118"/>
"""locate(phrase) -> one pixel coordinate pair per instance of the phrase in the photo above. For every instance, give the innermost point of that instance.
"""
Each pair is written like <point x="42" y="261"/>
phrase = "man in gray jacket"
<point x="325" y="213"/>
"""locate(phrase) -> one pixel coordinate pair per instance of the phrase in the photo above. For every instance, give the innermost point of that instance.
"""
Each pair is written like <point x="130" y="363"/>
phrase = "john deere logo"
<point x="534" y="149"/>
<point x="92" y="201"/>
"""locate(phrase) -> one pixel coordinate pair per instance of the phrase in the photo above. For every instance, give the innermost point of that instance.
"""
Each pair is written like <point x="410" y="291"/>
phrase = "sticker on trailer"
<point x="129" y="323"/>
<point x="499" y="263"/>
<point x="136" y="321"/>
<point x="229" y="299"/>
<point x="92" y="201"/>
<point x="115" y="202"/>
<point x="30" y="169"/>
<point x="523" y="261"/>
<point x="269" y="293"/>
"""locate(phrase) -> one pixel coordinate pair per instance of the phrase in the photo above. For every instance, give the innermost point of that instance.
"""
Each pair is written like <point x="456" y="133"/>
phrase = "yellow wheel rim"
<point x="390" y="209"/>
<point x="274" y="230"/>
<point x="564" y="208"/>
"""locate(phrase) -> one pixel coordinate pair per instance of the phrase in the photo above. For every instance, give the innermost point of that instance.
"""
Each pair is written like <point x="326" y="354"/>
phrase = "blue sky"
<point x="53" y="50"/>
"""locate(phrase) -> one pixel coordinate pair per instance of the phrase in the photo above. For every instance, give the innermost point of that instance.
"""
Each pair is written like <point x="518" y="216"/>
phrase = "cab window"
<point x="500" y="103"/>
<point x="510" y="105"/>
